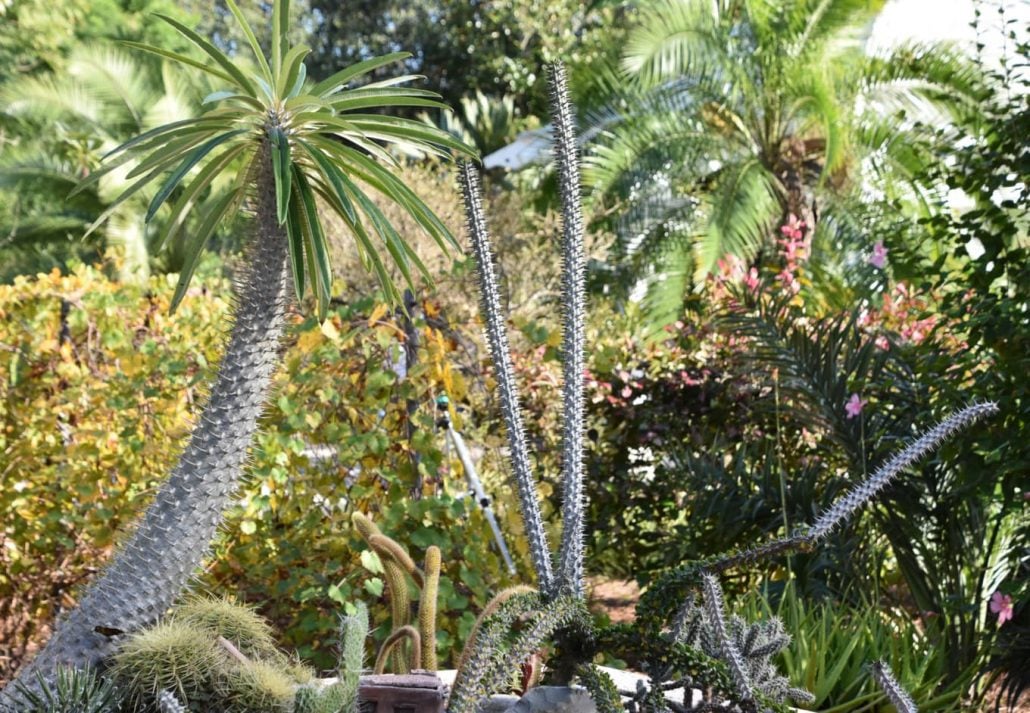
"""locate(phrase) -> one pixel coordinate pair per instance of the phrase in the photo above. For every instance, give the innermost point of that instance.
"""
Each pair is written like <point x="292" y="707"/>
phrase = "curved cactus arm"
<point x="395" y="639"/>
<point x="388" y="548"/>
<point x="497" y="339"/>
<point x="427" y="608"/>
<point x="489" y="610"/>
<point x="566" y="154"/>
<point x="666" y="595"/>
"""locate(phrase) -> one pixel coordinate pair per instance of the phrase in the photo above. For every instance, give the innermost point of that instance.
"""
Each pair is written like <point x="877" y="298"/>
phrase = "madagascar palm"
<point x="737" y="113"/>
<point x="288" y="144"/>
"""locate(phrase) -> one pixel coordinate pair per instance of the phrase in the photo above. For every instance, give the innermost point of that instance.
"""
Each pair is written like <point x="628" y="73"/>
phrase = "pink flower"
<point x="751" y="280"/>
<point x="1001" y="604"/>
<point x="854" y="405"/>
<point x="793" y="227"/>
<point x="879" y="257"/>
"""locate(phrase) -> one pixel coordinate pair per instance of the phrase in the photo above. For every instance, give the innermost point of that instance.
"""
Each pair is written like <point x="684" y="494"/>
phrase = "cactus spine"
<point x="889" y="685"/>
<point x="566" y="155"/>
<point x="427" y="607"/>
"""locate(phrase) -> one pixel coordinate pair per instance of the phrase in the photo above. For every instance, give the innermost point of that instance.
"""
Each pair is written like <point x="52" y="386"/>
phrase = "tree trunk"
<point x="148" y="573"/>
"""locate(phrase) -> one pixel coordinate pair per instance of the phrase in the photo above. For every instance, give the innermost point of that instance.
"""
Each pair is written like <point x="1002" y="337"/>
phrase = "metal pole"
<point x="475" y="484"/>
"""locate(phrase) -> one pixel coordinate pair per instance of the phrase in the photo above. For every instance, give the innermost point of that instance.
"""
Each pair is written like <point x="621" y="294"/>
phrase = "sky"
<point x="947" y="20"/>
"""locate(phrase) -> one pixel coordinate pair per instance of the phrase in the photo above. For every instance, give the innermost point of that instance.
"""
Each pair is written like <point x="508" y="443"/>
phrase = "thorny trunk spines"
<point x="566" y="151"/>
<point x="150" y="571"/>
<point x="500" y="352"/>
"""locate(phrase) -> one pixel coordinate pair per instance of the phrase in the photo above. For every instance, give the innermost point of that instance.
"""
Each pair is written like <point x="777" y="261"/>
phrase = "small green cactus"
<point x="341" y="696"/>
<point x="235" y="622"/>
<point x="172" y="657"/>
<point x="257" y="687"/>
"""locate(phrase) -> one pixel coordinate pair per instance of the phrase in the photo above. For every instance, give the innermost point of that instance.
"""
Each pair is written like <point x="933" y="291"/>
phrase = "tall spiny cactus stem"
<point x="152" y="568"/>
<point x="497" y="338"/>
<point x="566" y="153"/>
<point x="889" y="685"/>
<point x="867" y="490"/>
<point x="427" y="608"/>
<point x="727" y="648"/>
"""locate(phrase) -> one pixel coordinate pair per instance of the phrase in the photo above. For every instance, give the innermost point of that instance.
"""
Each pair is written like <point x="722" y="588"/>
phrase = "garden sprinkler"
<point x="475" y="485"/>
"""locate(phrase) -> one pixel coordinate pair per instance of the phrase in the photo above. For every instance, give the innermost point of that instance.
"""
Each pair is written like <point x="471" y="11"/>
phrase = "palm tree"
<point x="103" y="96"/>
<point x="732" y="115"/>
<point x="286" y="143"/>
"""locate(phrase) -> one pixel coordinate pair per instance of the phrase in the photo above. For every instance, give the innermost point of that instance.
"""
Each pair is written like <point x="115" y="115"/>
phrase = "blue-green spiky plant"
<point x="674" y="638"/>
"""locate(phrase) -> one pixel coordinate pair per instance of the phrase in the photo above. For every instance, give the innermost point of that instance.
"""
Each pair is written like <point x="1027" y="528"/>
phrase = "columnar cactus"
<point x="397" y="567"/>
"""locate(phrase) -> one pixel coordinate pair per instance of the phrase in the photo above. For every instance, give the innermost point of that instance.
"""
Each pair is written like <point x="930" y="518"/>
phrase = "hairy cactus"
<point x="342" y="695"/>
<point x="397" y="566"/>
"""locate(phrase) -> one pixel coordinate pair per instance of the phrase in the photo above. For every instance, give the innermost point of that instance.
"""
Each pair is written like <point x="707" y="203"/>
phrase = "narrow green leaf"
<point x="337" y="81"/>
<point x="280" y="23"/>
<point x="211" y="51"/>
<point x="395" y="189"/>
<point x="255" y="47"/>
<point x="366" y="250"/>
<point x="296" y="236"/>
<point x="192" y="160"/>
<point x="182" y="207"/>
<point x="298" y="83"/>
<point x="164" y="129"/>
<point x="318" y="254"/>
<point x="281" y="172"/>
<point x="195" y="247"/>
<point x="169" y="153"/>
<point x="292" y="63"/>
<point x="176" y="57"/>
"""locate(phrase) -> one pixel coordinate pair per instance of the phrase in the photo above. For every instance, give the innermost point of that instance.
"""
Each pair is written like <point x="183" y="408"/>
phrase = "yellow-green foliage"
<point x="169" y="657"/>
<point x="95" y="406"/>
<point x="97" y="386"/>
<point x="237" y="623"/>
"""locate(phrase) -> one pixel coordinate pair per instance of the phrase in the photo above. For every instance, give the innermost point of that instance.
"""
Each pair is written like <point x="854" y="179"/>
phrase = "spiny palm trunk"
<point x="149" y="572"/>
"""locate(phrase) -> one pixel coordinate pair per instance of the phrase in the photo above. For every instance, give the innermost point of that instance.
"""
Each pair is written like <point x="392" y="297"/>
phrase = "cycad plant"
<point x="287" y="144"/>
<point x="729" y="116"/>
<point x="678" y="642"/>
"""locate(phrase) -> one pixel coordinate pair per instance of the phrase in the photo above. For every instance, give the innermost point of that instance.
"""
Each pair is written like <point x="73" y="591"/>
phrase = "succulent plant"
<point x="397" y="567"/>
<point x="676" y="640"/>
<point x="71" y="691"/>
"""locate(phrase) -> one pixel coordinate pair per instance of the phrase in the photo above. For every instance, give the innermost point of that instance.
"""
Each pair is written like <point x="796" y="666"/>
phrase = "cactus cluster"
<point x="214" y="655"/>
<point x="676" y="640"/>
<point x="407" y="647"/>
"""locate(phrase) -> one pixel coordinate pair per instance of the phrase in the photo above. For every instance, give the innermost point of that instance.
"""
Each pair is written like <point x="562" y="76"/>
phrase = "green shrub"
<point x="97" y="386"/>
